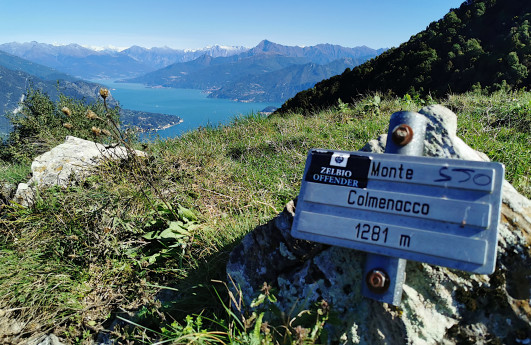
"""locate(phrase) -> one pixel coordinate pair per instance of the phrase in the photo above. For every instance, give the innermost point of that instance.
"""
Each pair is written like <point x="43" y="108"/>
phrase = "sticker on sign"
<point x="434" y="210"/>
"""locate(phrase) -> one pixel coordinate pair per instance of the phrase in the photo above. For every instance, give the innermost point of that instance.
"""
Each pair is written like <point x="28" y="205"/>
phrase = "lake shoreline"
<point x="194" y="108"/>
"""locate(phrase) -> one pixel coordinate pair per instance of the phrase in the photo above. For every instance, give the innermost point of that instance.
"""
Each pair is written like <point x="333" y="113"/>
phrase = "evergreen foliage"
<point x="484" y="43"/>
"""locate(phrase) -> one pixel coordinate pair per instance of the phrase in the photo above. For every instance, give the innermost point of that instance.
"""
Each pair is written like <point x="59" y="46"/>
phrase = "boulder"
<point x="50" y="339"/>
<point x="25" y="195"/>
<point x="73" y="160"/>
<point x="439" y="305"/>
<point x="7" y="191"/>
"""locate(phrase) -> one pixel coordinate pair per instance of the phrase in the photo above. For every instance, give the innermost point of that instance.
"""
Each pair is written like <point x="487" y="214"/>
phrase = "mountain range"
<point x="283" y="83"/>
<point x="93" y="64"/>
<point x="269" y="72"/>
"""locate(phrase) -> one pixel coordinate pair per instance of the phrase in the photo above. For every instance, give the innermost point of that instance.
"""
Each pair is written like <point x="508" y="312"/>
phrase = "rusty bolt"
<point x="377" y="281"/>
<point x="402" y="135"/>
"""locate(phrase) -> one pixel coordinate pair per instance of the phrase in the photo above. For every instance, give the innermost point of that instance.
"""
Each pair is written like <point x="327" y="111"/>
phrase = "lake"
<point x="192" y="106"/>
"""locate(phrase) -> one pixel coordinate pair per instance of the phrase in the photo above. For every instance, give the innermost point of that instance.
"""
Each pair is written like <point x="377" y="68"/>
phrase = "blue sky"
<point x="198" y="23"/>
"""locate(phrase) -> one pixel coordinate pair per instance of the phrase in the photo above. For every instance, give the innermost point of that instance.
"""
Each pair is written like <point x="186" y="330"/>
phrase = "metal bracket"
<point x="384" y="275"/>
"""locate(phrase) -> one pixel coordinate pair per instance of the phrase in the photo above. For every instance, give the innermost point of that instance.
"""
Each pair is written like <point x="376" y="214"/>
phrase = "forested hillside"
<point x="484" y="43"/>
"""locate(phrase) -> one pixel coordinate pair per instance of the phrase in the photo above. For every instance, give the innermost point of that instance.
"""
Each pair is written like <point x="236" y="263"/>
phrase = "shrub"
<point x="42" y="124"/>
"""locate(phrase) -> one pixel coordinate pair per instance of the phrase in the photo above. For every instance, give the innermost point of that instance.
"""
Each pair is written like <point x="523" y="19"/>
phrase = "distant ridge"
<point x="208" y="73"/>
<point x="88" y="63"/>
<point x="484" y="43"/>
<point x="281" y="84"/>
<point x="319" y="54"/>
<point x="162" y="57"/>
<point x="237" y="73"/>
<point x="269" y="72"/>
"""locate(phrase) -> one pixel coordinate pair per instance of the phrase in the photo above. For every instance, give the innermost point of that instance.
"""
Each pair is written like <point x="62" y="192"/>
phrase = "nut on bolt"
<point x="377" y="281"/>
<point x="402" y="135"/>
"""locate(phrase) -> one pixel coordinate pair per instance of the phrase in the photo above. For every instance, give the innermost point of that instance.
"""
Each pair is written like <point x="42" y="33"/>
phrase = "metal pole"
<point x="385" y="275"/>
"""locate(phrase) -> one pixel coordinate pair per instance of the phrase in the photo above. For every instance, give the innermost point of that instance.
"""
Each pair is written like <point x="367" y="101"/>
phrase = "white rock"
<point x="73" y="160"/>
<point x="25" y="195"/>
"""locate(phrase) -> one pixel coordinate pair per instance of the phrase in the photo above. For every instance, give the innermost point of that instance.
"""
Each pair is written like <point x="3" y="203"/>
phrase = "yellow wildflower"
<point x="66" y="111"/>
<point x="104" y="93"/>
<point x="91" y="115"/>
<point x="96" y="130"/>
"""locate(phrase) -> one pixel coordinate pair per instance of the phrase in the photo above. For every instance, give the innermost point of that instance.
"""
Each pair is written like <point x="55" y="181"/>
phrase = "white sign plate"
<point x="439" y="211"/>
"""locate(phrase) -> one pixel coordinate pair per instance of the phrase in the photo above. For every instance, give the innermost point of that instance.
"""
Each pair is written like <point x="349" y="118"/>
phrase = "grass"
<point x="499" y="126"/>
<point x="87" y="254"/>
<point x="14" y="173"/>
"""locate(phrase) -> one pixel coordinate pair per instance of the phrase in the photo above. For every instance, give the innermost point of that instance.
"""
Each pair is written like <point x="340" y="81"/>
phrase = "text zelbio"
<point x="335" y="176"/>
<point x="365" y="200"/>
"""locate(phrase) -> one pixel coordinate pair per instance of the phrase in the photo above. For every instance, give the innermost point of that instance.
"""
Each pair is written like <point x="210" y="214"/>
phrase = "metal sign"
<point x="439" y="211"/>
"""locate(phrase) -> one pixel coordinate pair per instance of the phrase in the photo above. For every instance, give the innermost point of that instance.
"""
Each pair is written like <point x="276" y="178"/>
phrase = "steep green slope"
<point x="483" y="43"/>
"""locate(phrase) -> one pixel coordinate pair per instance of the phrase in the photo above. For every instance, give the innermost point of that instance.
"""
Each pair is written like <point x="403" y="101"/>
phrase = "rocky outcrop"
<point x="71" y="161"/>
<point x="7" y="191"/>
<point x="439" y="305"/>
